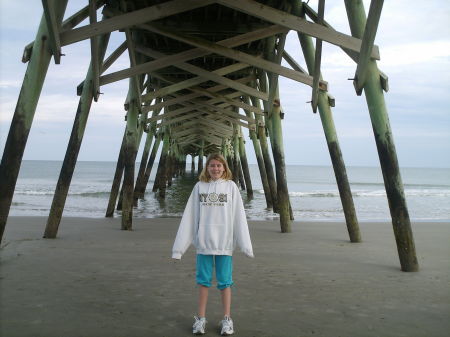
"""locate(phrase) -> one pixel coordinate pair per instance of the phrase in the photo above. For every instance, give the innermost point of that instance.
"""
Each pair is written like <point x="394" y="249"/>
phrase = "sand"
<point x="96" y="280"/>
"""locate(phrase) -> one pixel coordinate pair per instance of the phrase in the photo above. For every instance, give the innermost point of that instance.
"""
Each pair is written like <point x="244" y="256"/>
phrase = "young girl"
<point x="214" y="220"/>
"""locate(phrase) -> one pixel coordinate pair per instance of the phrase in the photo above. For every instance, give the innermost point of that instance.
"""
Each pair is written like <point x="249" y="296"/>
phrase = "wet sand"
<point x="96" y="280"/>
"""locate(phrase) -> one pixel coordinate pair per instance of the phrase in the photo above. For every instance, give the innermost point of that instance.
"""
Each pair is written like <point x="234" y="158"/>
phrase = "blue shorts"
<point x="224" y="270"/>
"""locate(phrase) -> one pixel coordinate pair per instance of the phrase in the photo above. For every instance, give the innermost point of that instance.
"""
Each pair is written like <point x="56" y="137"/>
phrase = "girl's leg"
<point x="202" y="301"/>
<point x="204" y="278"/>
<point x="224" y="274"/>
<point x="226" y="301"/>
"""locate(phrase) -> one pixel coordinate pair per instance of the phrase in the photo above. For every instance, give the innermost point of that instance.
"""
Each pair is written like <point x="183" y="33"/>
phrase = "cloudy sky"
<point x="414" y="41"/>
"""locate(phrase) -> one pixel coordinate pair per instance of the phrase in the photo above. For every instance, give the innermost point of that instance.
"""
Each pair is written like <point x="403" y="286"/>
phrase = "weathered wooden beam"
<point x="334" y="148"/>
<point x="386" y="148"/>
<point x="280" y="166"/>
<point x="290" y="60"/>
<point x="133" y="62"/>
<point x="180" y="118"/>
<point x="155" y="12"/>
<point x="73" y="148"/>
<point x="317" y="60"/>
<point x="259" y="159"/>
<point x="244" y="164"/>
<point x="108" y="62"/>
<point x="95" y="57"/>
<point x="293" y="22"/>
<point x="115" y="186"/>
<point x="172" y="113"/>
<point x="24" y="114"/>
<point x="53" y="27"/>
<point x="140" y="189"/>
<point x="234" y="54"/>
<point x="261" y="132"/>
<point x="368" y="40"/>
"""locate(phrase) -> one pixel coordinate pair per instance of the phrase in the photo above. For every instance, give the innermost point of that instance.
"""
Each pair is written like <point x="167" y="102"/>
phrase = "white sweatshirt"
<point x="214" y="220"/>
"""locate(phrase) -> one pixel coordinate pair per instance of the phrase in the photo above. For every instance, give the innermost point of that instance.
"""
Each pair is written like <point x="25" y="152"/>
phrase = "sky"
<point x="414" y="42"/>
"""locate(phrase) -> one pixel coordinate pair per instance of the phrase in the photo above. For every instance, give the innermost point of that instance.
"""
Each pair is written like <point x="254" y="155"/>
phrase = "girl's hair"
<point x="227" y="175"/>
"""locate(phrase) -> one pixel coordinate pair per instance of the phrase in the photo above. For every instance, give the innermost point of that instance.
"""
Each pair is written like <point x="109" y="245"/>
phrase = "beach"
<point x="97" y="280"/>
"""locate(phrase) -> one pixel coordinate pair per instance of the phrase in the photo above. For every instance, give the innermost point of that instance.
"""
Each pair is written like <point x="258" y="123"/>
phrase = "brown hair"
<point x="227" y="175"/>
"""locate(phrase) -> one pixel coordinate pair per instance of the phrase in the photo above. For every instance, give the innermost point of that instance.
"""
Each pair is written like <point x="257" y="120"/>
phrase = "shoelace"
<point x="199" y="323"/>
<point x="227" y="324"/>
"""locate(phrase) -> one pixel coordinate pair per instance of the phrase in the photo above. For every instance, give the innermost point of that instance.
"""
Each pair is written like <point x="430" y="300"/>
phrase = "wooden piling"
<point x="130" y="151"/>
<point x="115" y="187"/>
<point x="245" y="169"/>
<point x="192" y="164"/>
<point x="73" y="148"/>
<point x="200" y="157"/>
<point x="259" y="159"/>
<point x="142" y="166"/>
<point x="329" y="129"/>
<point x="261" y="130"/>
<point x="280" y="166"/>
<point x="386" y="148"/>
<point x="24" y="113"/>
<point x="161" y="181"/>
<point x="142" y="187"/>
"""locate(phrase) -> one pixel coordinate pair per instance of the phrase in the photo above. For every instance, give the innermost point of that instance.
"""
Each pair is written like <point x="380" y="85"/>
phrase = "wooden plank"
<point x="180" y="118"/>
<point x="171" y="113"/>
<point x="95" y="60"/>
<point x="290" y="60"/>
<point x="192" y="81"/>
<point x="317" y="60"/>
<point x="113" y="57"/>
<point x="301" y="25"/>
<point x="155" y="12"/>
<point x="53" y="29"/>
<point x="367" y="44"/>
<point x="188" y="55"/>
<point x="234" y="54"/>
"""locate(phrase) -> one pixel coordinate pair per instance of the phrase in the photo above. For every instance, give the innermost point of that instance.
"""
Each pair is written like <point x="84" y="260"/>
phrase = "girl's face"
<point x="215" y="169"/>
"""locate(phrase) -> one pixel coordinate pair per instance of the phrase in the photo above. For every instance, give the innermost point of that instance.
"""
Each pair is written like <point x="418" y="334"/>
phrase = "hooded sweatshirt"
<point x="214" y="221"/>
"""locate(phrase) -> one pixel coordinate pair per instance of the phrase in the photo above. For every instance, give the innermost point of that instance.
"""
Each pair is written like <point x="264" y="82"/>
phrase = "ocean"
<point x="312" y="189"/>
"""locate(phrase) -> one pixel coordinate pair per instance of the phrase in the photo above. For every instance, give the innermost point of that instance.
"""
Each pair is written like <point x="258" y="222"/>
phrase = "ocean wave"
<point x="95" y="194"/>
<point x="367" y="193"/>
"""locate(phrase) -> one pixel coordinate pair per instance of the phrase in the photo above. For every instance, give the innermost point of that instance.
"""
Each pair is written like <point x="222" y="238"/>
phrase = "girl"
<point x="214" y="220"/>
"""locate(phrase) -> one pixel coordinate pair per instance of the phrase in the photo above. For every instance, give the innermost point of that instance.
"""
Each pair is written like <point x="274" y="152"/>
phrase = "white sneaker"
<point x="227" y="326"/>
<point x="199" y="326"/>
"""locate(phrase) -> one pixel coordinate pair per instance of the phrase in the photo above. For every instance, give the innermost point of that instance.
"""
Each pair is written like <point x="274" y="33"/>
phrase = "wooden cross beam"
<point x="206" y="75"/>
<point x="107" y="63"/>
<point x="233" y="54"/>
<point x="67" y="24"/>
<point x="95" y="62"/>
<point x="367" y="44"/>
<point x="301" y="25"/>
<point x="317" y="60"/>
<point x="192" y="81"/>
<point x="155" y="12"/>
<point x="53" y="29"/>
<point x="188" y="55"/>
